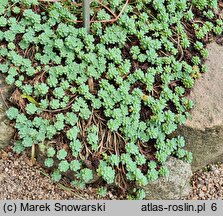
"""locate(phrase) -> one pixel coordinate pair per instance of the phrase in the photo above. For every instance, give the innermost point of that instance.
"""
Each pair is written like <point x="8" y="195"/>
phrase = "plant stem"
<point x="33" y="154"/>
<point x="86" y="14"/>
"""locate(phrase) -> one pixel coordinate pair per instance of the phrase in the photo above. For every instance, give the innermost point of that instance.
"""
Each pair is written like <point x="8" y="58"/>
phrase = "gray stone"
<point x="175" y="186"/>
<point x="206" y="145"/>
<point x="203" y="131"/>
<point x="6" y="131"/>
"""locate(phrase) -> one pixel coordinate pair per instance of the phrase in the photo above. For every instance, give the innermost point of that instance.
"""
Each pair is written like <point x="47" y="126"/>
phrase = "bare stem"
<point x="86" y="14"/>
<point x="33" y="154"/>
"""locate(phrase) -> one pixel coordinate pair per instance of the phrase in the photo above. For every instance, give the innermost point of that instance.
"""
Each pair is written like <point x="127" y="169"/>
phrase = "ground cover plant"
<point x="102" y="106"/>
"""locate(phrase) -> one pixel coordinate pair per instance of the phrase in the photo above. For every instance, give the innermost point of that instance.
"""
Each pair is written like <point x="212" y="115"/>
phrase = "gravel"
<point x="19" y="179"/>
<point x="208" y="183"/>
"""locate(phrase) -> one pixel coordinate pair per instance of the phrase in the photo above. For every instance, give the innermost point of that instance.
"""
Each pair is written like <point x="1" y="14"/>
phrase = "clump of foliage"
<point x="104" y="104"/>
